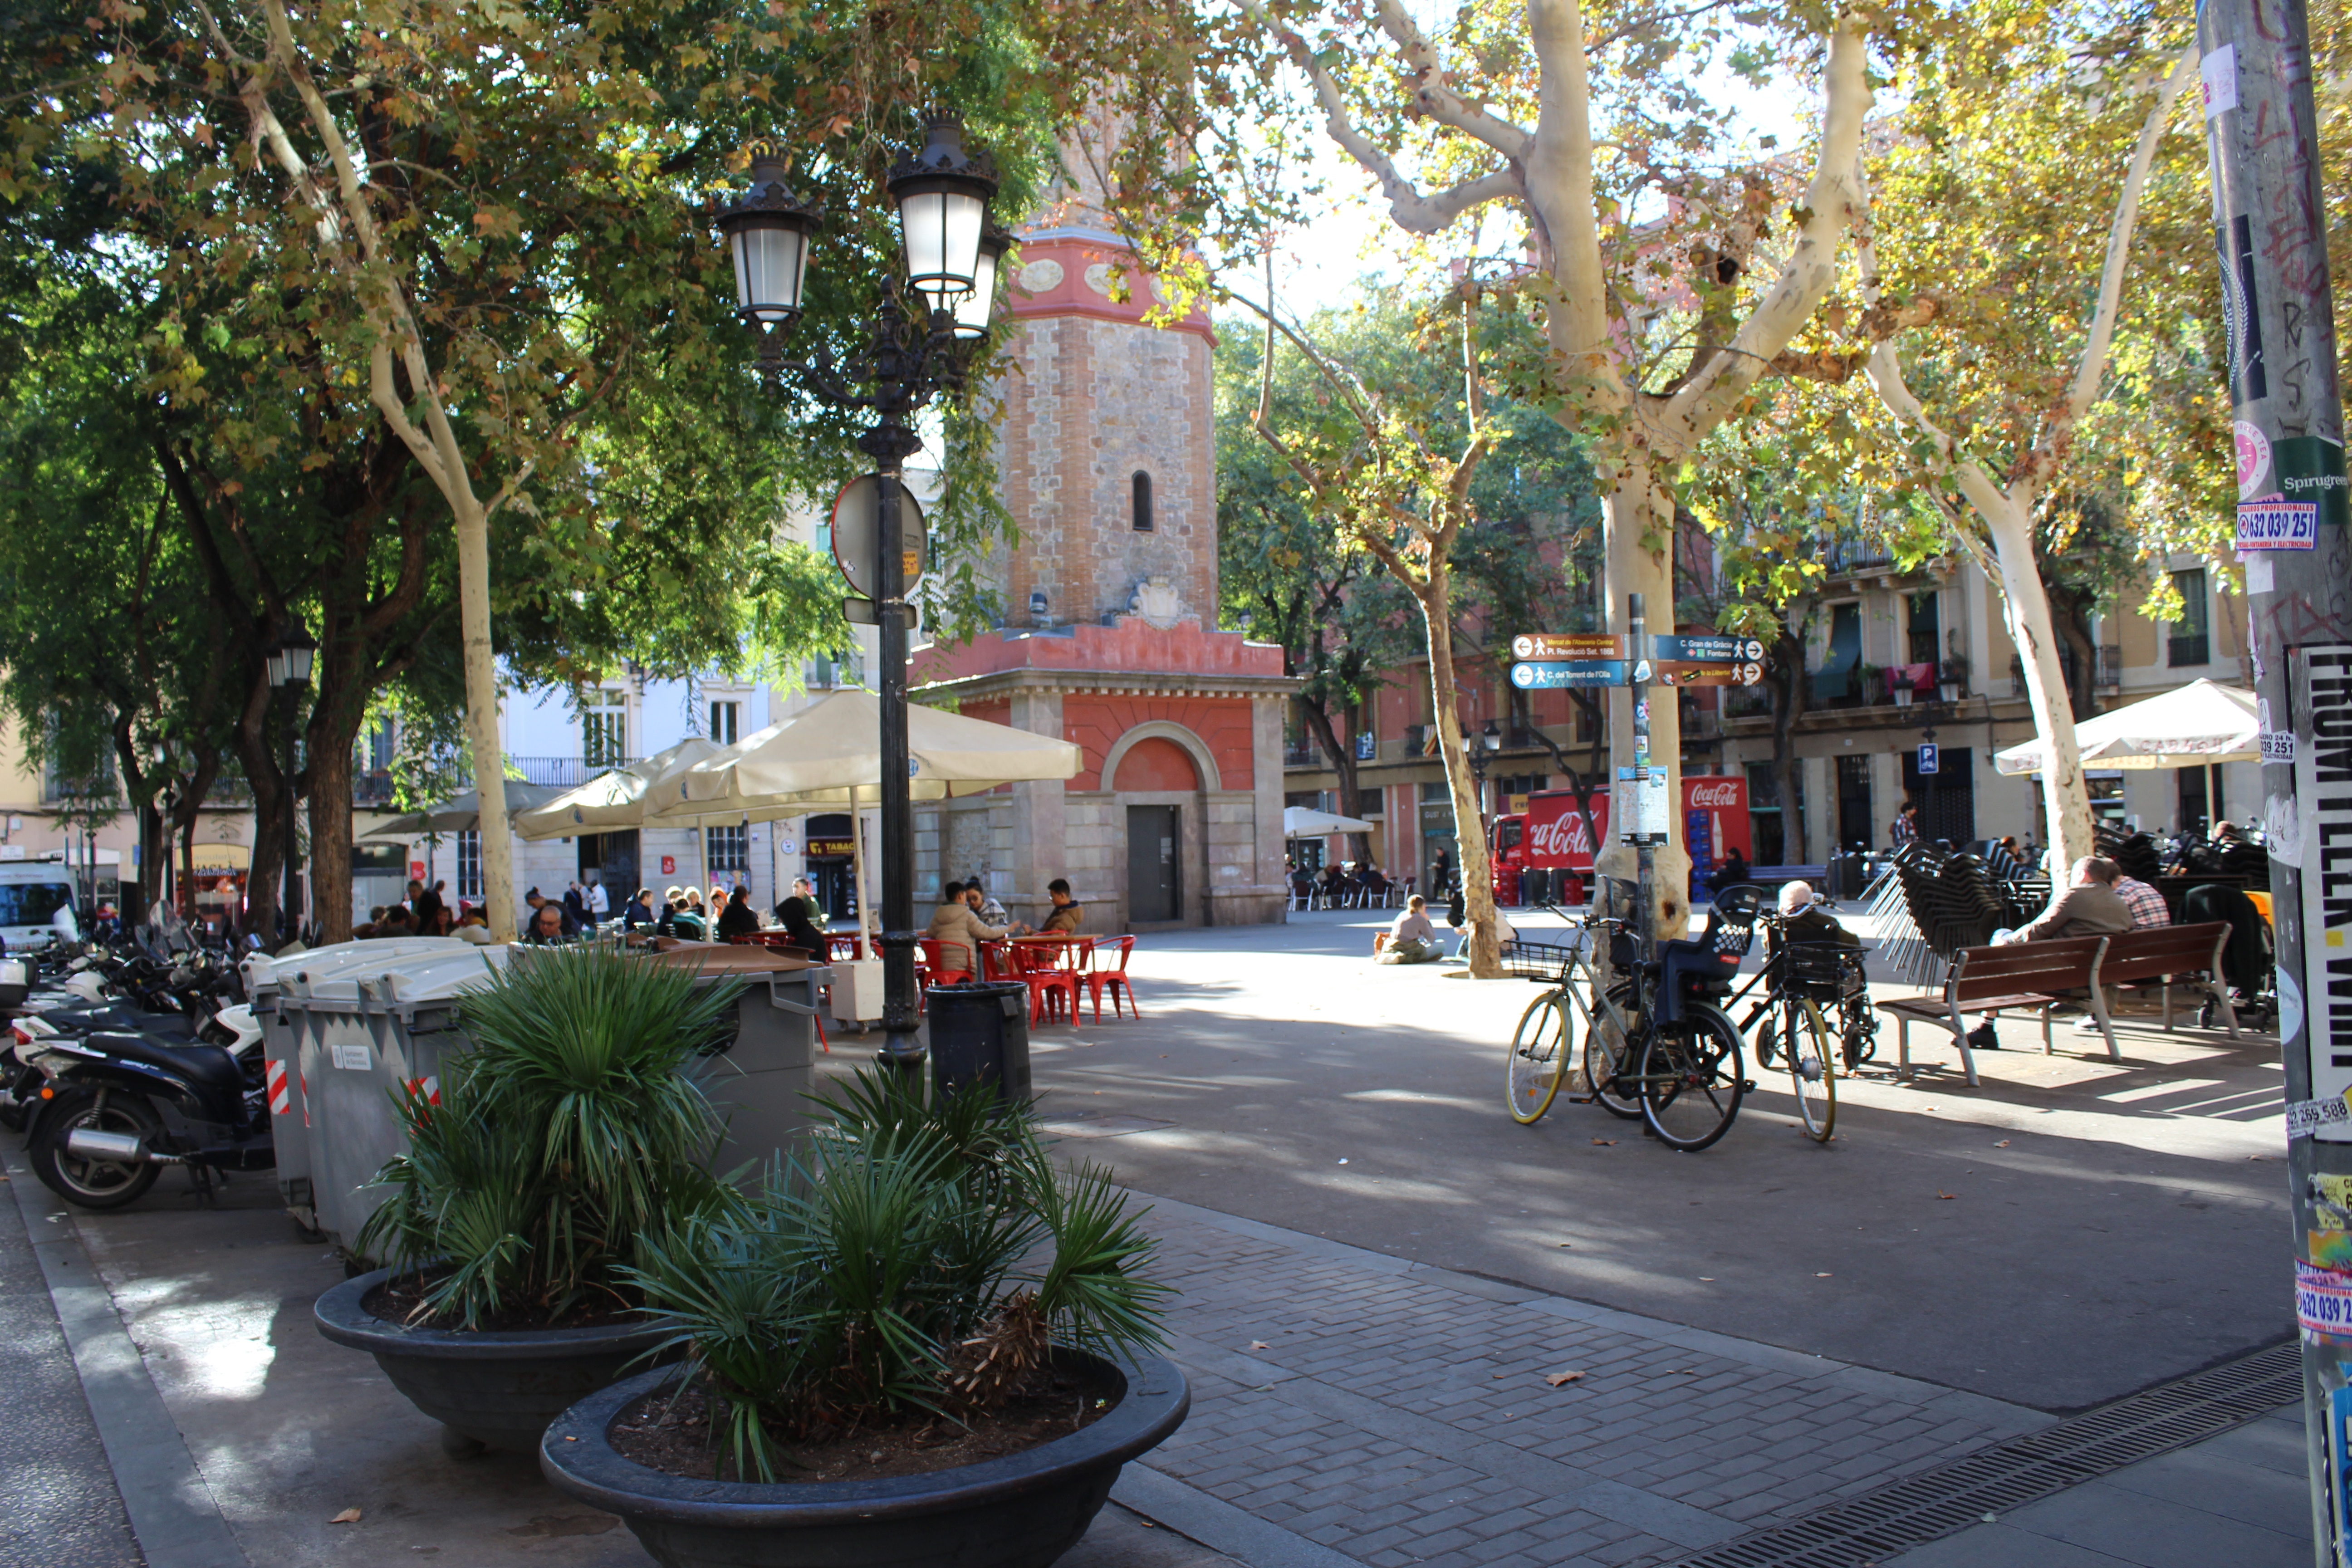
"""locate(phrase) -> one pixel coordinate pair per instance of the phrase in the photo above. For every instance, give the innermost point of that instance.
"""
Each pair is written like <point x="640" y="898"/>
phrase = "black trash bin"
<point x="979" y="1032"/>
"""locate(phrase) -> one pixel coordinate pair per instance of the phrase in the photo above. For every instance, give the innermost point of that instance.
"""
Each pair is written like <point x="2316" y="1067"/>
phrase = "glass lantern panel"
<point x="940" y="231"/>
<point x="769" y="264"/>
<point x="973" y="309"/>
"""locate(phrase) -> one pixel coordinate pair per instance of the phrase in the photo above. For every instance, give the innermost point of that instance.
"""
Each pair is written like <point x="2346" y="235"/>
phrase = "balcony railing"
<point x="1848" y="556"/>
<point x="1300" y="753"/>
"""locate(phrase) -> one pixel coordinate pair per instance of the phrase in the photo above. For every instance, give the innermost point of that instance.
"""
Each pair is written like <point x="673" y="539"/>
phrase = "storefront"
<point x="831" y="855"/>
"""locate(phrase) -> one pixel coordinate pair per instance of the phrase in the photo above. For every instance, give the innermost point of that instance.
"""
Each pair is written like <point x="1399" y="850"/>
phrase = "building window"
<point x="1926" y="629"/>
<point x="724" y="719"/>
<point x="730" y="848"/>
<point x="604" y="731"/>
<point x="469" y="865"/>
<point x="1143" y="487"/>
<point x="2190" y="643"/>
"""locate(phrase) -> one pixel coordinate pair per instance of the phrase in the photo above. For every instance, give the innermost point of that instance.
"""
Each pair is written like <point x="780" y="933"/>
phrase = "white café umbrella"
<point x="1306" y="822"/>
<point x="612" y="799"/>
<point x="2194" y="726"/>
<point x="460" y="813"/>
<point x="830" y="754"/>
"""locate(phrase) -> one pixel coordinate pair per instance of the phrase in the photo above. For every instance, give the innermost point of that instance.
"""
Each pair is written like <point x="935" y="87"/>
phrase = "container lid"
<point x="425" y="968"/>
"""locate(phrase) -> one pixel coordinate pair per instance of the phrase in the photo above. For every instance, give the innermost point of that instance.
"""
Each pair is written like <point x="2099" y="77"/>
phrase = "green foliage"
<point x="921" y="1260"/>
<point x="569" y="1141"/>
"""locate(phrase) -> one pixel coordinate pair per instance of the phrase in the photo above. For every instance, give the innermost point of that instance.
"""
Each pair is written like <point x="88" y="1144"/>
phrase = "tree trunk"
<point x="2066" y="795"/>
<point x="1641" y="524"/>
<point x="329" y="777"/>
<point x="481" y="723"/>
<point x="1343" y="763"/>
<point x="2070" y="614"/>
<point x="1435" y="597"/>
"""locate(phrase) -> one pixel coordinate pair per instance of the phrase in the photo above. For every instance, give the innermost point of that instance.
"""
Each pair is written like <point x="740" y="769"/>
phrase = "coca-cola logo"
<point x="1723" y="795"/>
<point x="1560" y="835"/>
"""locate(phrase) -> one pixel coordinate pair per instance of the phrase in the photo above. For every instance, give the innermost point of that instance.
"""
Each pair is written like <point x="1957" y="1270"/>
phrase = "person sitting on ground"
<point x="1410" y="939"/>
<point x="1732" y="872"/>
<point x="959" y="931"/>
<point x="546" y="925"/>
<point x="2147" y="907"/>
<point x="737" y="918"/>
<point x="1068" y="914"/>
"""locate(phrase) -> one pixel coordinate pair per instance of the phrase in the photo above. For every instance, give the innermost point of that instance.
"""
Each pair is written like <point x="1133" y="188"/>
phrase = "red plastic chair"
<point x="1053" y="988"/>
<point x="840" y="945"/>
<point x="1115" y="980"/>
<point x="941" y="974"/>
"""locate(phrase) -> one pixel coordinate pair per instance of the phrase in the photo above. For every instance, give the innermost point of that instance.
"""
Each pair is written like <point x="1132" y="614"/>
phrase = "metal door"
<point x="1154" y="887"/>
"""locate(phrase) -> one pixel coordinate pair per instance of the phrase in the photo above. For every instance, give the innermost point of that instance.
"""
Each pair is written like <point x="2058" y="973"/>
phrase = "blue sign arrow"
<point x="1537" y="675"/>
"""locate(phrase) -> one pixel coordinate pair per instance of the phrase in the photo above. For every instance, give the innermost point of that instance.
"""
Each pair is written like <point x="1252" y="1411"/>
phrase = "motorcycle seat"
<point x="116" y="1019"/>
<point x="208" y="1066"/>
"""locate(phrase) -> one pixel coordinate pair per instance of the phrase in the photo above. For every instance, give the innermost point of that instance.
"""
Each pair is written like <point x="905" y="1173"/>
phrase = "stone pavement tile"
<point x="2271" y="1443"/>
<point x="2005" y="1546"/>
<point x="2207" y="1479"/>
<point x="2156" y="1534"/>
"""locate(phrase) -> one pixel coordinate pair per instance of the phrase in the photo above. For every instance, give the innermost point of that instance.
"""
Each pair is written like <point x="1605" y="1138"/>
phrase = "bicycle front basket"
<point x="1537" y="960"/>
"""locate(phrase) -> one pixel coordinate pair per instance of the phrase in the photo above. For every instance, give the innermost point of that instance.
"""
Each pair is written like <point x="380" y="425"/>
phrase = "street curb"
<point x="173" y="1513"/>
<point x="1219" y="1525"/>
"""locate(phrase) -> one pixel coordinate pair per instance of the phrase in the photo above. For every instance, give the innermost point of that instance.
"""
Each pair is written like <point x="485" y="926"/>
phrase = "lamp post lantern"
<point x="917" y="346"/>
<point x="289" y="661"/>
<point x="1482" y="747"/>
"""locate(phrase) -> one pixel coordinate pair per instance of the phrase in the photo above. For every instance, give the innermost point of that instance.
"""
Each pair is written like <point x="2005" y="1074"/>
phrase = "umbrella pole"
<point x="858" y="869"/>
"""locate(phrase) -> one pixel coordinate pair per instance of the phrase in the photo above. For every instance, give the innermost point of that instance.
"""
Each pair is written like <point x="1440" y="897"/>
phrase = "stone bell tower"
<point x="1107" y="460"/>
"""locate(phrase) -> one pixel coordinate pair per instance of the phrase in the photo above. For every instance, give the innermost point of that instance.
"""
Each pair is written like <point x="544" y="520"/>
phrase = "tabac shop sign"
<point x="2323" y="786"/>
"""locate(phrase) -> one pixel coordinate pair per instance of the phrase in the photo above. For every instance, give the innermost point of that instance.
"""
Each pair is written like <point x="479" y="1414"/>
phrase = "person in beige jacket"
<point x="960" y="933"/>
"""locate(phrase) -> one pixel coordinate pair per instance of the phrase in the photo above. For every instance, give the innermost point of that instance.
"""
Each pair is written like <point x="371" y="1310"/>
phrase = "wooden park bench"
<point x="2022" y="976"/>
<point x="2187" y="957"/>
<point x="2034" y="975"/>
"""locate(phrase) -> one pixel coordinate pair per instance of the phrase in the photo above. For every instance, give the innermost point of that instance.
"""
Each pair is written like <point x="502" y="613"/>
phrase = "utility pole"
<point x="2294" y="533"/>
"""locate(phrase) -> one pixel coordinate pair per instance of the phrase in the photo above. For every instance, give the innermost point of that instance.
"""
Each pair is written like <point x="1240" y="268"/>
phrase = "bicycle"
<point x="1798" y="980"/>
<point x="1654" y="1046"/>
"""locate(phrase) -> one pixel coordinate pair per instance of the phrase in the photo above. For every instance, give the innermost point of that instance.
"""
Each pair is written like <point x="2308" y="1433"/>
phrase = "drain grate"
<point x="1936" y="1504"/>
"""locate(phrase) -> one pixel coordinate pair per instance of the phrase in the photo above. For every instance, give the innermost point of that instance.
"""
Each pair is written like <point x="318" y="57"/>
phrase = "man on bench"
<point x="2091" y="907"/>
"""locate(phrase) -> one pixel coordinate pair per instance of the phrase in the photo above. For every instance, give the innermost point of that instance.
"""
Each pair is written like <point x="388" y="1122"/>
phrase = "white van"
<point x="31" y="894"/>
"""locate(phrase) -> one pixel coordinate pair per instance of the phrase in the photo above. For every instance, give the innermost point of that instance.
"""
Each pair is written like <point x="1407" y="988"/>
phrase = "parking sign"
<point x="1928" y="757"/>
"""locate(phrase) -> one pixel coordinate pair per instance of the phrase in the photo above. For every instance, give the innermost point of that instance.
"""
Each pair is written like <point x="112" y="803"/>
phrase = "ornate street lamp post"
<point x="913" y="350"/>
<point x="289" y="667"/>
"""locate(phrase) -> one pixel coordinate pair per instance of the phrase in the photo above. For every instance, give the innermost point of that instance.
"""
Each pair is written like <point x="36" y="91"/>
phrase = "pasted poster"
<point x="2323" y="787"/>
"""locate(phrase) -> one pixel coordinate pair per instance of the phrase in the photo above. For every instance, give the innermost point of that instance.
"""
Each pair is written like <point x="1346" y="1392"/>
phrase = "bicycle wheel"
<point x="1812" y="1069"/>
<point x="1690" y="1080"/>
<point x="1607" y="1064"/>
<point x="1859" y="1027"/>
<point x="1539" y="1053"/>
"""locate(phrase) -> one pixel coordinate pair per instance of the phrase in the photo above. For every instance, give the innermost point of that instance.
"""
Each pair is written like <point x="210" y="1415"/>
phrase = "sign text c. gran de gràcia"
<point x="1547" y="661"/>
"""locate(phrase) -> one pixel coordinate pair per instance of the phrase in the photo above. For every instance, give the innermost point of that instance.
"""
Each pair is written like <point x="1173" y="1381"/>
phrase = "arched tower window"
<point x="1142" y="485"/>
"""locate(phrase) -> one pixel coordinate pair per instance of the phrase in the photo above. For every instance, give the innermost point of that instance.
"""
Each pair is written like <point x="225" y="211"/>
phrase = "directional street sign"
<point x="1685" y="672"/>
<point x="1532" y="677"/>
<point x="1567" y="644"/>
<point x="1733" y="650"/>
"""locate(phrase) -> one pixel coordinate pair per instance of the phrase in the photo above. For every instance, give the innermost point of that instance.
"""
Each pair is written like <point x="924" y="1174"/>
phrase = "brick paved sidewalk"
<point x="1350" y="1405"/>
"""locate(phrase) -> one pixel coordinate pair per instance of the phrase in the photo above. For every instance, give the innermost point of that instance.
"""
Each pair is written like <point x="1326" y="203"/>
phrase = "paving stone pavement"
<point x="1394" y="1413"/>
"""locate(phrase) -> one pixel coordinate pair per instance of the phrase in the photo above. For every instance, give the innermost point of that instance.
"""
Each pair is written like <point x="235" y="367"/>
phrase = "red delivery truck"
<point x="1550" y="834"/>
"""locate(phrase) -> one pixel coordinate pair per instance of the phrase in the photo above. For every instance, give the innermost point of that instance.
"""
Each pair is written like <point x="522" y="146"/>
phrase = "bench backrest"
<point x="2022" y="966"/>
<point x="2160" y="950"/>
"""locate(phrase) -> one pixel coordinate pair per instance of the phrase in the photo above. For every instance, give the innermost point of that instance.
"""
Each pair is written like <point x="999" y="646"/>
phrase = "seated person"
<point x="1732" y="872"/>
<point x="959" y="931"/>
<point x="1804" y="919"/>
<point x="1068" y="914"/>
<point x="1410" y="939"/>
<point x="976" y="899"/>
<point x="546" y="925"/>
<point x="685" y="921"/>
<point x="1333" y="887"/>
<point x="737" y="918"/>
<point x="474" y="927"/>
<point x="2090" y="907"/>
<point x="2147" y="905"/>
<point x="639" y="912"/>
<point x="800" y="934"/>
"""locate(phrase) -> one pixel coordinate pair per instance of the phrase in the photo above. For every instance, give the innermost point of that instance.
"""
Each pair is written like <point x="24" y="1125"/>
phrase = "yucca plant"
<point x="921" y="1260"/>
<point x="569" y="1137"/>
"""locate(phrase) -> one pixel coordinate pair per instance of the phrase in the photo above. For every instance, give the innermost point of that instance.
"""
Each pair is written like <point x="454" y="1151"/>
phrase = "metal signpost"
<point x="2294" y="534"/>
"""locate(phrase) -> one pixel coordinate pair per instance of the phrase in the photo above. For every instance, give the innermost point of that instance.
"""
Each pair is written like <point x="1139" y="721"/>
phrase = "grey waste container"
<point x="979" y="1033"/>
<point x="761" y="1080"/>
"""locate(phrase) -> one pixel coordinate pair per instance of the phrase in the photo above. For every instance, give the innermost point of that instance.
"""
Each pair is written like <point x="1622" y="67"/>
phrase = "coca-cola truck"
<point x="1550" y="834"/>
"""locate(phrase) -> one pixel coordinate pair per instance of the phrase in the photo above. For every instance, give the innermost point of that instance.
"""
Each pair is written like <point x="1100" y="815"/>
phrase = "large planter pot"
<point x="1020" y="1511"/>
<point x="497" y="1388"/>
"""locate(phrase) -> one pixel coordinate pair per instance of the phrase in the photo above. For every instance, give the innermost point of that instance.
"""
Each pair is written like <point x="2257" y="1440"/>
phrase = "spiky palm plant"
<point x="569" y="1136"/>
<point x="924" y="1257"/>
